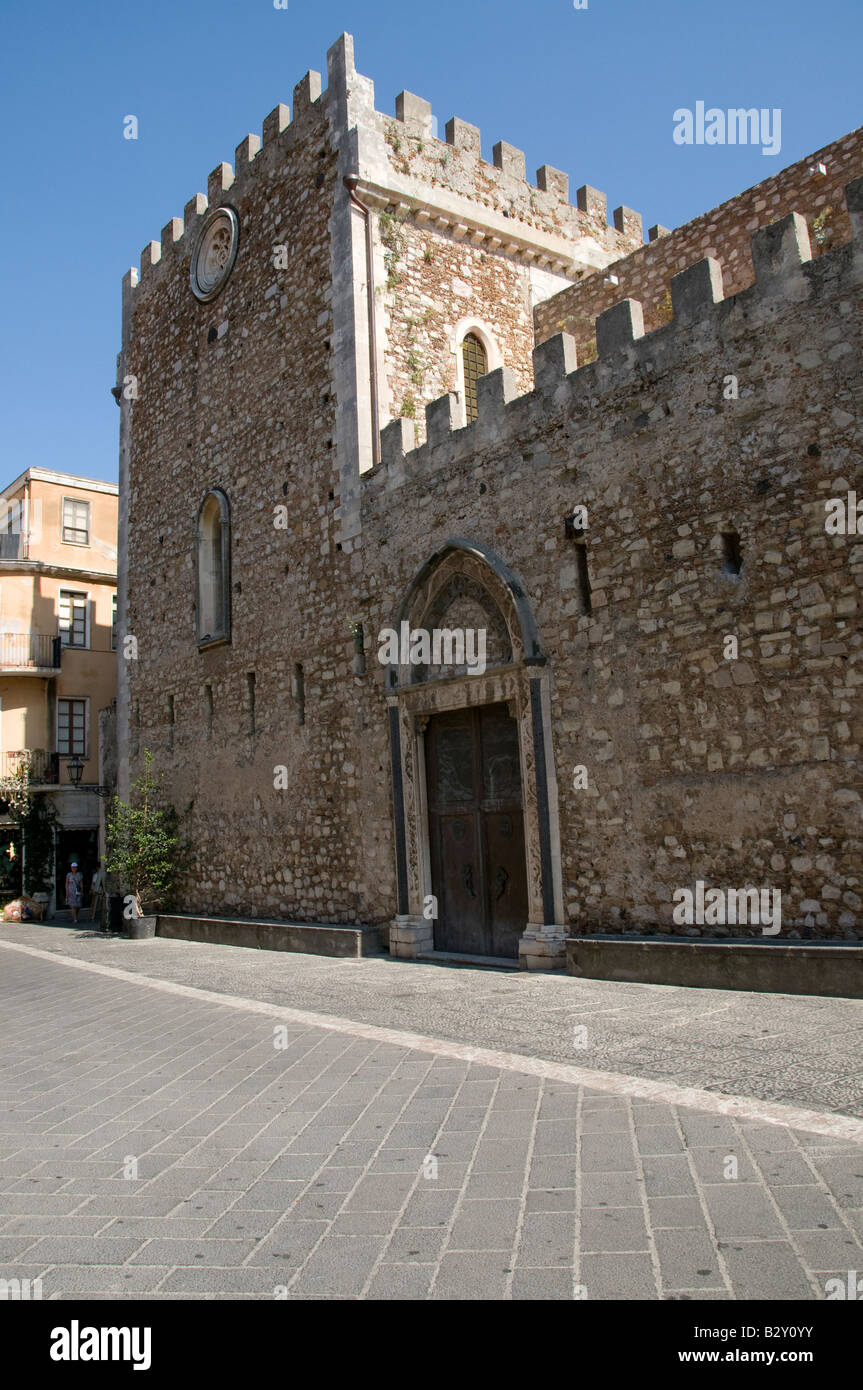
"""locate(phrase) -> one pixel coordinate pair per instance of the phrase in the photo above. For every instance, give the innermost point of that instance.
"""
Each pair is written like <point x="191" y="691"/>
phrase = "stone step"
<point x="456" y="958"/>
<point x="265" y="934"/>
<point x="772" y="966"/>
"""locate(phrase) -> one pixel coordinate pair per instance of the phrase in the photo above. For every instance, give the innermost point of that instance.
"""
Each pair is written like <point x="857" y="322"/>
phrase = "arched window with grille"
<point x="213" y="570"/>
<point x="475" y="364"/>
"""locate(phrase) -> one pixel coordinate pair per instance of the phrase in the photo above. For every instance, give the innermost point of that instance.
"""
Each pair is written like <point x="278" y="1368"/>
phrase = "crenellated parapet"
<point x="812" y="186"/>
<point x="786" y="275"/>
<point x="447" y="184"/>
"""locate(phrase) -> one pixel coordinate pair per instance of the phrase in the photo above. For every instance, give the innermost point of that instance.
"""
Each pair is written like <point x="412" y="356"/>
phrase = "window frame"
<point x="73" y="700"/>
<point x="470" y="382"/>
<point x="76" y="502"/>
<point x="205" y="640"/>
<point x="493" y="356"/>
<point x="73" y="594"/>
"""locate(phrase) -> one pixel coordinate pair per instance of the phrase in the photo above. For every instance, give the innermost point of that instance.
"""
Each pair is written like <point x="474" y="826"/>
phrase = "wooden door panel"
<point x="506" y="880"/>
<point x="461" y="924"/>
<point x="501" y="775"/>
<point x="476" y="831"/>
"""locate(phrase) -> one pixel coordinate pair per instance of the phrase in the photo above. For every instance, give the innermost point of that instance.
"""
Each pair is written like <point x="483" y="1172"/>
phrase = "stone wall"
<point x="736" y="772"/>
<point x="722" y="233"/>
<point x="436" y="284"/>
<point x="237" y="394"/>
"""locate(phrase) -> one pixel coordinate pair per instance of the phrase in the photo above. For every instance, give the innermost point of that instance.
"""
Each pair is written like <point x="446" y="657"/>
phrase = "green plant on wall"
<point x="143" y="843"/>
<point x="587" y="353"/>
<point x="393" y="239"/>
<point x="34" y="815"/>
<point x="822" y="229"/>
<point x="392" y="235"/>
<point x="413" y="362"/>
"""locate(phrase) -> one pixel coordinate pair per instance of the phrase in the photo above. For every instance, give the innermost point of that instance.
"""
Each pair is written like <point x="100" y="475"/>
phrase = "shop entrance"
<point x="82" y="845"/>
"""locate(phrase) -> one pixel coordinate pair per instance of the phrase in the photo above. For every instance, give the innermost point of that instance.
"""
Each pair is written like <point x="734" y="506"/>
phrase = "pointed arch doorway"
<point x="474" y="790"/>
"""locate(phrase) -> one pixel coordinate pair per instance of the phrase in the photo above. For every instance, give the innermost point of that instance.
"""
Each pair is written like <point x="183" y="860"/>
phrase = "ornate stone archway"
<point x="465" y="580"/>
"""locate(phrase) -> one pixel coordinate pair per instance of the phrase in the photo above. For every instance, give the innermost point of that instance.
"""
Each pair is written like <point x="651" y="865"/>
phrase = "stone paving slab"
<point x="799" y="1050"/>
<point x="172" y="1147"/>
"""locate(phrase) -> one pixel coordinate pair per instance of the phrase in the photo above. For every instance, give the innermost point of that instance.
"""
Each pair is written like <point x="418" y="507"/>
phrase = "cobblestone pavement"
<point x="157" y="1143"/>
<point x="799" y="1050"/>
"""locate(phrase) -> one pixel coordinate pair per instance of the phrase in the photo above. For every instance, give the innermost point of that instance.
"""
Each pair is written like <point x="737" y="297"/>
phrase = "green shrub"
<point x="143" y="843"/>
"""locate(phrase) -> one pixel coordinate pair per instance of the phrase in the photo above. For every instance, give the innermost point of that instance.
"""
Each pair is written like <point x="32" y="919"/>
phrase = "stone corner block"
<point x="441" y="419"/>
<point x="553" y="360"/>
<point x="780" y="250"/>
<point x="509" y="160"/>
<point x="619" y="326"/>
<point x="695" y="290"/>
<point x="415" y="112"/>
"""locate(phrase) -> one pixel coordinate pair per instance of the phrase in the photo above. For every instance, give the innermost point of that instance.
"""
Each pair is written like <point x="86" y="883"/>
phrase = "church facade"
<point x="480" y="557"/>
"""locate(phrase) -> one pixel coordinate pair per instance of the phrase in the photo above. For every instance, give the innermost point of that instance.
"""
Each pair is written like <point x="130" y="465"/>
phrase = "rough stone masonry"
<point x="670" y="626"/>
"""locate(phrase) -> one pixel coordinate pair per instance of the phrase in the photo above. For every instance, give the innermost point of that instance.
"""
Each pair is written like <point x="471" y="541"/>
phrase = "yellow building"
<point x="58" y="604"/>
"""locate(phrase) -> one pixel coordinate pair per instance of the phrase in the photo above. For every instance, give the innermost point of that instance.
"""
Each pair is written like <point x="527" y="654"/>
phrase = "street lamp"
<point x="75" y="769"/>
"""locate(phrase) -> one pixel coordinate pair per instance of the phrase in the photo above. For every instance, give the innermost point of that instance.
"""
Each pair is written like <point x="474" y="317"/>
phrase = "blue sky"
<point x="590" y="91"/>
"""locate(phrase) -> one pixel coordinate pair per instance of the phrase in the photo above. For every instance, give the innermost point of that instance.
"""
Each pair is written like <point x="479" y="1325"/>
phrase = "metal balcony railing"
<point x="22" y="649"/>
<point x="44" y="766"/>
<point x="12" y="545"/>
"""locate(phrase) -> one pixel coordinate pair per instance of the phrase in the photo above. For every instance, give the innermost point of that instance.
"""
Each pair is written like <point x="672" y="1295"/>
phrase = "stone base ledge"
<point x="767" y="967"/>
<point x="264" y="934"/>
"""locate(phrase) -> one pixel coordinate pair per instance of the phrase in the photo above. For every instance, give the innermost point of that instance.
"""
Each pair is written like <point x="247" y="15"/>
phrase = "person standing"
<point x="74" y="889"/>
<point x="97" y="893"/>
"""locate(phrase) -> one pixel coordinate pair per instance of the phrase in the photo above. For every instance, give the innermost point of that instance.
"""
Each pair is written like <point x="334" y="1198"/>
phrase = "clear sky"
<point x="590" y="91"/>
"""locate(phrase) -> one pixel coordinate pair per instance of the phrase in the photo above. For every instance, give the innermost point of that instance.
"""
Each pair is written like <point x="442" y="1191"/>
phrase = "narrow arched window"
<point x="475" y="362"/>
<point x="213" y="568"/>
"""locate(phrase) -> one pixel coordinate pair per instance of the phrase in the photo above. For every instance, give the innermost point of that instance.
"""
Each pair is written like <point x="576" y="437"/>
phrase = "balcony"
<point x="44" y="766"/>
<point x="29" y="653"/>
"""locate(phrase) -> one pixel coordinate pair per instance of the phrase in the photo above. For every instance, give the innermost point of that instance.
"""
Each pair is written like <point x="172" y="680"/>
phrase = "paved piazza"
<point x="185" y="1121"/>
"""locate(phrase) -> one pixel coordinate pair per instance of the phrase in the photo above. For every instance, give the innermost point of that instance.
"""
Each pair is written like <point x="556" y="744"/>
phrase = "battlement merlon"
<point x="786" y="274"/>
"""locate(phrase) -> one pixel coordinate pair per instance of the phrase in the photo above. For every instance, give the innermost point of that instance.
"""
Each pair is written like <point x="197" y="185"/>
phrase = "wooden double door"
<point x="476" y="831"/>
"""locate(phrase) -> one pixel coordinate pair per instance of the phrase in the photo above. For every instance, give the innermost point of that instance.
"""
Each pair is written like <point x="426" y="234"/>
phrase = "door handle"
<point x="501" y="879"/>
<point x="467" y="878"/>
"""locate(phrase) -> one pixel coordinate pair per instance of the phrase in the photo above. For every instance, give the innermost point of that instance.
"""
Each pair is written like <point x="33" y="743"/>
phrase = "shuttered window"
<point x="73" y="619"/>
<point x="72" y="728"/>
<point x="475" y="365"/>
<point x="76" y="521"/>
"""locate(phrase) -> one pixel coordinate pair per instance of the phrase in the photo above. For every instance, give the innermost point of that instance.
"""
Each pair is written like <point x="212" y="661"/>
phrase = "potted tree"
<point x="143" y="850"/>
